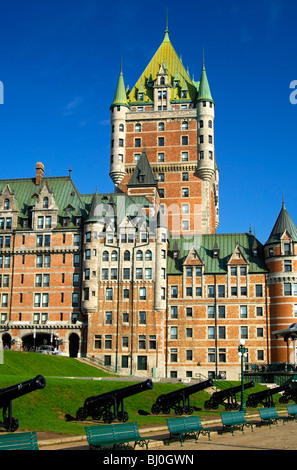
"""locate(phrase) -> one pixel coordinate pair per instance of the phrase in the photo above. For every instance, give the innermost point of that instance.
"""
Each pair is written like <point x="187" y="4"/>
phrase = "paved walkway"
<point x="276" y="437"/>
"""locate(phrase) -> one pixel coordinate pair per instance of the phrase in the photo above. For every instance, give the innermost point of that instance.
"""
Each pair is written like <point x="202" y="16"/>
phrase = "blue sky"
<point x="59" y="64"/>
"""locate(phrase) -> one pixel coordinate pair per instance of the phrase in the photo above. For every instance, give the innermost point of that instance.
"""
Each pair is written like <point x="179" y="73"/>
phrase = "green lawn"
<point x="54" y="407"/>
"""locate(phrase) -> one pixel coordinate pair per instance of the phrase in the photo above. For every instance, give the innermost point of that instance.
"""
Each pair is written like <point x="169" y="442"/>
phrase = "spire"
<point x="283" y="223"/>
<point x="166" y="38"/>
<point x="204" y="90"/>
<point x="120" y="97"/>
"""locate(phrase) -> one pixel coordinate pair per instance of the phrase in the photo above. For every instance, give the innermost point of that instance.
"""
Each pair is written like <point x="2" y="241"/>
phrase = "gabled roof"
<point x="143" y="174"/>
<point x="283" y="223"/>
<point x="226" y="244"/>
<point x="27" y="192"/>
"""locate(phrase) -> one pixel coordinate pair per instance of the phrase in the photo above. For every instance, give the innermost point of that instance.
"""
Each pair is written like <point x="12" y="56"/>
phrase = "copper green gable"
<point x="225" y="243"/>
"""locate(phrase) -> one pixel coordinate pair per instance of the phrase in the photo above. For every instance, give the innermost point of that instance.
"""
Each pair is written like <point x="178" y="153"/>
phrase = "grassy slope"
<point x="54" y="407"/>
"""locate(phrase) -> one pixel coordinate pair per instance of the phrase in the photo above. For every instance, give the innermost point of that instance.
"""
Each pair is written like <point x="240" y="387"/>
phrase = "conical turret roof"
<point x="283" y="223"/>
<point x="204" y="90"/>
<point x="120" y="96"/>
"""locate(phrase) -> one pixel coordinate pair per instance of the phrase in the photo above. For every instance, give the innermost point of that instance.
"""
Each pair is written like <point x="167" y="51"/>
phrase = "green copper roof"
<point x="167" y="56"/>
<point x="225" y="243"/>
<point x="204" y="90"/>
<point x="283" y="222"/>
<point x="120" y="97"/>
<point x="66" y="197"/>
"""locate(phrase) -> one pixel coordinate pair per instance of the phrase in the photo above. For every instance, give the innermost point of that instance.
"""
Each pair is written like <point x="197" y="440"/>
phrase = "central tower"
<point x="171" y="117"/>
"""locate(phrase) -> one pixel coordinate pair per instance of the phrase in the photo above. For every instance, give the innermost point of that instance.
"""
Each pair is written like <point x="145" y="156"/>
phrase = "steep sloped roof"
<point x="283" y="223"/>
<point x="226" y="244"/>
<point x="166" y="55"/>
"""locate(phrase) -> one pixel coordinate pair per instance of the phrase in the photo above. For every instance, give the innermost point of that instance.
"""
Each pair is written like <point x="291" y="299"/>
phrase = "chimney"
<point x="39" y="172"/>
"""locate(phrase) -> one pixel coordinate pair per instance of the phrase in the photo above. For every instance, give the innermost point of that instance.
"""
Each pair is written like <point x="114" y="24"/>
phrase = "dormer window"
<point x="6" y="204"/>
<point x="162" y="81"/>
<point x="45" y="202"/>
<point x="140" y="96"/>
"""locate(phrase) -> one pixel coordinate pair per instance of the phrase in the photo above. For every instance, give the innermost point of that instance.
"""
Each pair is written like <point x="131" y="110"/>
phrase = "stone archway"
<point x="31" y="342"/>
<point x="6" y="341"/>
<point x="73" y="345"/>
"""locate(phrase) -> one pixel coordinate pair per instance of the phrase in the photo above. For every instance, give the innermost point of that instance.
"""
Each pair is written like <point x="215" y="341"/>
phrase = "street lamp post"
<point x="242" y="352"/>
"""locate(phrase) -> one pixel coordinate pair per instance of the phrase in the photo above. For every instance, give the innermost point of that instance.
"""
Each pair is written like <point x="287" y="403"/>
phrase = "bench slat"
<point x="186" y="427"/>
<point x="19" y="441"/>
<point x="116" y="435"/>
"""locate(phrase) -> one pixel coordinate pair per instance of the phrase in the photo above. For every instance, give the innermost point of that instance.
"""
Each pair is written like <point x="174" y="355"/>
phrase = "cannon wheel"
<point x="179" y="410"/>
<point x="283" y="400"/>
<point x="155" y="409"/>
<point x="123" y="416"/>
<point x="207" y="405"/>
<point x="189" y="410"/>
<point x="81" y="414"/>
<point x="107" y="417"/>
<point x="166" y="409"/>
<point x="11" y="426"/>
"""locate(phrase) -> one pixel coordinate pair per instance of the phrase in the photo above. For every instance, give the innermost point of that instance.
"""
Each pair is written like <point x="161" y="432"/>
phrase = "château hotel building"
<point x="141" y="278"/>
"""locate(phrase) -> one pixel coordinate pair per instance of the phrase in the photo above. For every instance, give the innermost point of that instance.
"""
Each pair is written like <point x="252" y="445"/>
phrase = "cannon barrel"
<point x="22" y="388"/>
<point x="119" y="394"/>
<point x="220" y="394"/>
<point x="186" y="391"/>
<point x="258" y="397"/>
<point x="15" y="391"/>
<point x="229" y="394"/>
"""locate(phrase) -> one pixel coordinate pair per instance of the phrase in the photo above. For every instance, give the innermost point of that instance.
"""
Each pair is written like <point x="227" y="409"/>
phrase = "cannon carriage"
<point x="289" y="394"/>
<point x="226" y="397"/>
<point x="110" y="405"/>
<point x="179" y="400"/>
<point x="265" y="397"/>
<point x="15" y="391"/>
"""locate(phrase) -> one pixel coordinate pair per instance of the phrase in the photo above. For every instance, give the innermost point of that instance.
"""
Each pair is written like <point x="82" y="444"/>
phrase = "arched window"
<point x="138" y="127"/>
<point x="105" y="256"/>
<point x="148" y="255"/>
<point x="114" y="256"/>
<point x="185" y="125"/>
<point x="127" y="255"/>
<point x="45" y="202"/>
<point x="161" y="126"/>
<point x="139" y="255"/>
<point x="210" y="124"/>
<point x="121" y="127"/>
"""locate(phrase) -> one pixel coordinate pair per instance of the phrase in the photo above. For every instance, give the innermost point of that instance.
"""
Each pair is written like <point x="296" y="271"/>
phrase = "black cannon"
<point x="100" y="406"/>
<point x="179" y="400"/>
<point x="289" y="394"/>
<point x="226" y="397"/>
<point x="15" y="391"/>
<point x="265" y="397"/>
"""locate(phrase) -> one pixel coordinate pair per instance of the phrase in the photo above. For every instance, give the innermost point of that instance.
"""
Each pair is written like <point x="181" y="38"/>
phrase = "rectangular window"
<point x="243" y="311"/>
<point x="173" y="311"/>
<point x="259" y="290"/>
<point x="287" y="288"/>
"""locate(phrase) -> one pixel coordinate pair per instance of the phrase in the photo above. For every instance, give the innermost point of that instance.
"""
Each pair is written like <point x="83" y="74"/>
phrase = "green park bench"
<point x="116" y="435"/>
<point x="292" y="412"/>
<point x="181" y="428"/>
<point x="270" y="416"/>
<point x="235" y="420"/>
<point x="19" y="441"/>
